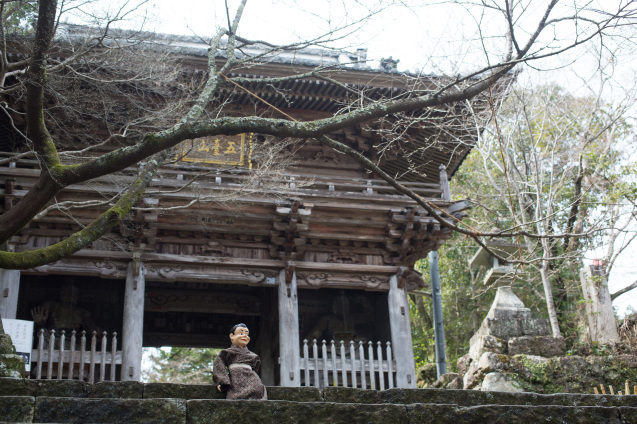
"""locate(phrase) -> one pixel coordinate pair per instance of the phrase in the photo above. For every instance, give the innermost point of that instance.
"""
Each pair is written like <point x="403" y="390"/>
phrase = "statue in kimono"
<point x="235" y="369"/>
<point x="64" y="315"/>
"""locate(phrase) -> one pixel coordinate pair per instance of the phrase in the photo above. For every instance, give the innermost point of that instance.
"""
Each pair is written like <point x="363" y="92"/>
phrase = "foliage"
<point x="20" y="16"/>
<point x="181" y="365"/>
<point x="559" y="151"/>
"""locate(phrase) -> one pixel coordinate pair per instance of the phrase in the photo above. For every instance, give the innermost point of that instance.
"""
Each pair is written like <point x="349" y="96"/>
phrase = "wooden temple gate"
<point x="319" y="250"/>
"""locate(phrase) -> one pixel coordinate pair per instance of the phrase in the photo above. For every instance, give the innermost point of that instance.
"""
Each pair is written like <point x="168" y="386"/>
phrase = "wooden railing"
<point x="59" y="357"/>
<point x="348" y="365"/>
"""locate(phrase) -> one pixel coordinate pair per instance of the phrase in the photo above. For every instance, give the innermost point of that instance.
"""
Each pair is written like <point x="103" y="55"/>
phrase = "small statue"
<point x="64" y="315"/>
<point x="235" y="369"/>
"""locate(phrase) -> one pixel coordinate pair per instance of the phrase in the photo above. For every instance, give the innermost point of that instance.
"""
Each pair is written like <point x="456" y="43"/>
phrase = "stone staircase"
<point x="31" y="401"/>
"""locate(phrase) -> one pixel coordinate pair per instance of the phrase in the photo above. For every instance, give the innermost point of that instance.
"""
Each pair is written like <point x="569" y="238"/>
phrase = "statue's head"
<point x="240" y="335"/>
<point x="340" y="305"/>
<point x="69" y="294"/>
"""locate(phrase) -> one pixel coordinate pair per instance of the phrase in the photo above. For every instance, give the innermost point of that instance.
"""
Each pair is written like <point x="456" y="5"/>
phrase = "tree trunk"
<point x="550" y="306"/>
<point x="602" y="327"/>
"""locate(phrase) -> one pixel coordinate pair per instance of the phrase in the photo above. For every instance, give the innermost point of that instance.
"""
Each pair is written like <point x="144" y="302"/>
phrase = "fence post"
<point x="361" y="355"/>
<point x="306" y="363"/>
<point x="113" y="355"/>
<point x="334" y="368"/>
<point x="316" y="363"/>
<point x="61" y="351"/>
<point x="49" y="368"/>
<point x="372" y="372"/>
<point x="343" y="370"/>
<point x="324" y="352"/>
<point x="82" y="350"/>
<point x="381" y="368"/>
<point x="352" y="356"/>
<point x="38" y="372"/>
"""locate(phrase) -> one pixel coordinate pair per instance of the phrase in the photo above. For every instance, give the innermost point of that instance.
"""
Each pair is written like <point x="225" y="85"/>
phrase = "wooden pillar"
<point x="289" y="345"/>
<point x="400" y="326"/>
<point x="133" y="322"/>
<point x="9" y="288"/>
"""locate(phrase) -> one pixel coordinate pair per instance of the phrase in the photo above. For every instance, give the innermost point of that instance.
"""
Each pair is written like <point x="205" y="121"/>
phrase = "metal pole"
<point x="436" y="298"/>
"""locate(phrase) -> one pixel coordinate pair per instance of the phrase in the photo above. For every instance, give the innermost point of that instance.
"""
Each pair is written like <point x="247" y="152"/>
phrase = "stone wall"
<point x="574" y="374"/>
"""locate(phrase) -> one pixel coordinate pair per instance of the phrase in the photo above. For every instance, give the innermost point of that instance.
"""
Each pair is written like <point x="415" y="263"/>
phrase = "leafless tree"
<point x="200" y="114"/>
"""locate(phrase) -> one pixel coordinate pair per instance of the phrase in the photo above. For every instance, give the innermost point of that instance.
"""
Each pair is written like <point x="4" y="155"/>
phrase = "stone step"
<point x="56" y="401"/>
<point x="27" y="409"/>
<point x="135" y="390"/>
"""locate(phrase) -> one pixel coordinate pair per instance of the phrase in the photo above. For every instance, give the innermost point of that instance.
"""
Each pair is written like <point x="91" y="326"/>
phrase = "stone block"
<point x="12" y="366"/>
<point x="350" y="395"/>
<point x="536" y="327"/>
<point x="6" y="345"/>
<point x="455" y="384"/>
<point x="17" y="409"/>
<point x="445" y="414"/>
<point x="129" y="411"/>
<point x="546" y="346"/>
<point x="283" y="412"/>
<point x="426" y="375"/>
<point x="296" y="394"/>
<point x="182" y="391"/>
<point x="505" y="327"/>
<point x="409" y="396"/>
<point x="500" y="382"/>
<point x="53" y="388"/>
<point x="490" y="362"/>
<point x="628" y="415"/>
<point x="472" y="376"/>
<point x="118" y="389"/>
<point x="463" y="364"/>
<point x="486" y="343"/>
<point x="446" y="380"/>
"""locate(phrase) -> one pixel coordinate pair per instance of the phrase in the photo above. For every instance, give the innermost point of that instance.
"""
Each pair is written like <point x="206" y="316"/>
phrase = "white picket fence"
<point x="64" y="358"/>
<point x="348" y="366"/>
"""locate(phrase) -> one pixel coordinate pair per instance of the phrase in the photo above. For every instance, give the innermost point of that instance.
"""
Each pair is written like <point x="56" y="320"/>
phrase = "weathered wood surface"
<point x="333" y="221"/>
<point x="9" y="289"/>
<point x="401" y="335"/>
<point x="289" y="342"/>
<point x="352" y="364"/>
<point x="133" y="325"/>
<point x="65" y="356"/>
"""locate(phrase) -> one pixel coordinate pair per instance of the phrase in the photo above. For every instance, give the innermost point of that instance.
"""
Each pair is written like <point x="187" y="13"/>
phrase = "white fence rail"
<point x="68" y="357"/>
<point x="348" y="364"/>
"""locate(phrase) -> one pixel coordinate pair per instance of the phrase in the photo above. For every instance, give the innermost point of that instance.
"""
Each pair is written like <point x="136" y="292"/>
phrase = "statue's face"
<point x="69" y="295"/>
<point x="240" y="337"/>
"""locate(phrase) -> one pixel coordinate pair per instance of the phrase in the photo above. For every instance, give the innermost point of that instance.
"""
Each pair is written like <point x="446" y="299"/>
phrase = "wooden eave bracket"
<point x="293" y="223"/>
<point x="409" y="278"/>
<point x="290" y="267"/>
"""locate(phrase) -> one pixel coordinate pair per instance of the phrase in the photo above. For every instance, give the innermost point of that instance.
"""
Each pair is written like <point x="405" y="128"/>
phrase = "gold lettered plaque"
<point x="235" y="150"/>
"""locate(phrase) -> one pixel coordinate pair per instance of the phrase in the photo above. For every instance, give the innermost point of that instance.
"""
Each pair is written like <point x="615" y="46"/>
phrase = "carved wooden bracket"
<point x="289" y="272"/>
<point x="289" y="233"/>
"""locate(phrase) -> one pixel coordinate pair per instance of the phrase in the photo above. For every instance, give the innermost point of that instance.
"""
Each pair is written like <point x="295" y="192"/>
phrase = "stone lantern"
<point x="509" y="327"/>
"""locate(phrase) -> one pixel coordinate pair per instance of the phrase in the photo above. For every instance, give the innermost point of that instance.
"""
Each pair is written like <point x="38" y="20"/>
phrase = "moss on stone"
<point x="17" y="409"/>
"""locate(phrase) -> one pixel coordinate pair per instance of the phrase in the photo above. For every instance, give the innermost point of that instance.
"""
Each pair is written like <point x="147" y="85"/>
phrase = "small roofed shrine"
<point x="499" y="272"/>
<point x="316" y="259"/>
